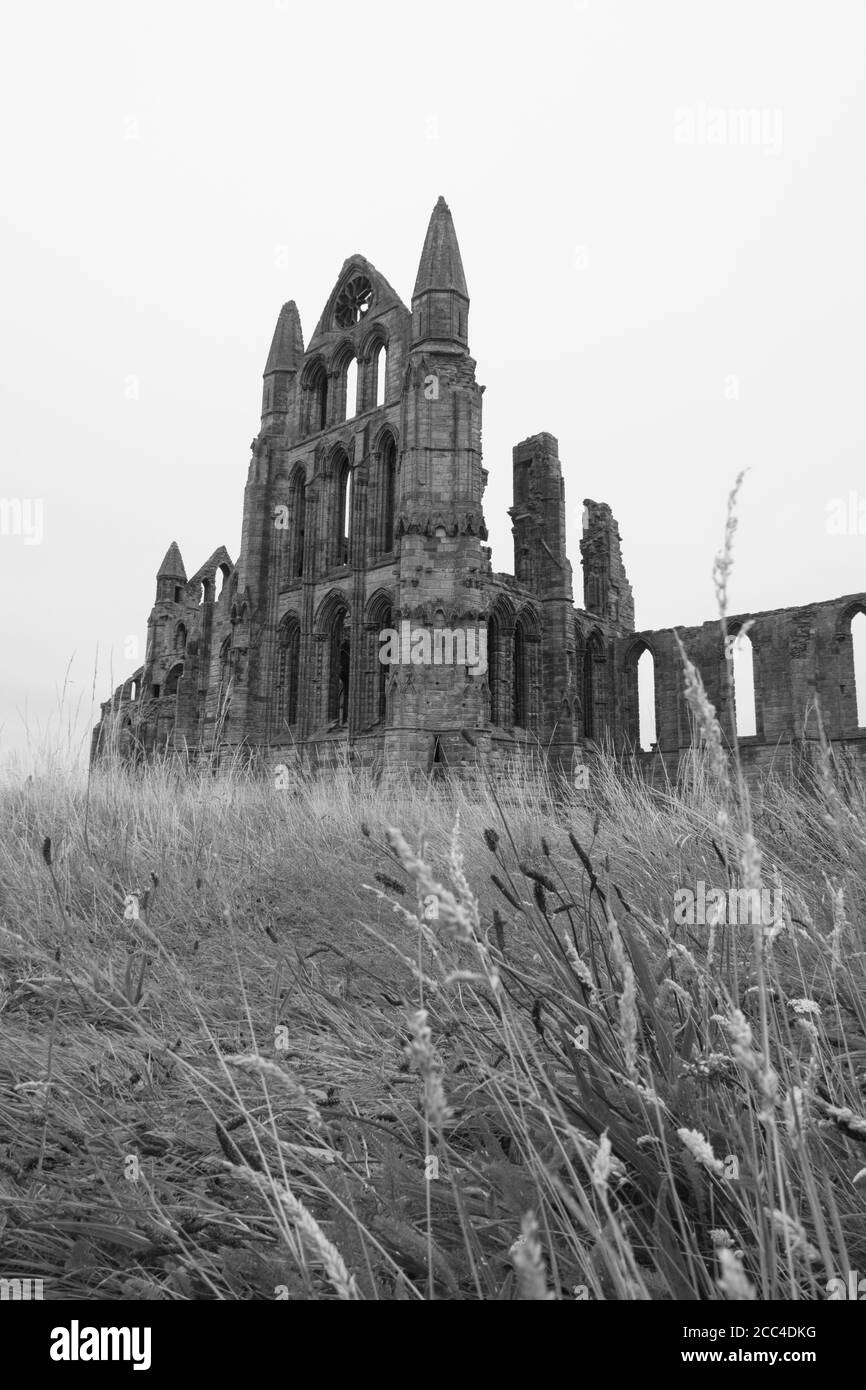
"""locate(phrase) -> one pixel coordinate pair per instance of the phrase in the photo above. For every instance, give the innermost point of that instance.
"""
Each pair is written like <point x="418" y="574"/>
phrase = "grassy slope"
<point x="294" y="1163"/>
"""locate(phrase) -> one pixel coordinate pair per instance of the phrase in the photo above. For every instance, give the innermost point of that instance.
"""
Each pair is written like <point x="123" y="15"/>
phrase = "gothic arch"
<point x="379" y="615"/>
<point x="287" y="675"/>
<point x="333" y="649"/>
<point x="373" y="365"/>
<point x="593" y="687"/>
<point x="500" y="637"/>
<point x="638" y="736"/>
<point x="746" y="714"/>
<point x="342" y="359"/>
<point x="221" y="577"/>
<point x="316" y="410"/>
<point x="340" y="519"/>
<point x="297" y="521"/>
<point x="525" y="669"/>
<point x="383" y="503"/>
<point x="851" y="658"/>
<point x="172" y="679"/>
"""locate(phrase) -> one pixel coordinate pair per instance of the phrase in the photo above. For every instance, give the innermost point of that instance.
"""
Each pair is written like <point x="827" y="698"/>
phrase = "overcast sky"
<point x="672" y="291"/>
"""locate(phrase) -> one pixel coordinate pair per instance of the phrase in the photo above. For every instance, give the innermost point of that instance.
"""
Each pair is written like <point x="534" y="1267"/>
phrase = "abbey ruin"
<point x="363" y="513"/>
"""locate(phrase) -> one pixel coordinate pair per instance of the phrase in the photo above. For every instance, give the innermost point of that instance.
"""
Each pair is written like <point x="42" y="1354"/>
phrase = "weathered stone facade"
<point x="363" y="513"/>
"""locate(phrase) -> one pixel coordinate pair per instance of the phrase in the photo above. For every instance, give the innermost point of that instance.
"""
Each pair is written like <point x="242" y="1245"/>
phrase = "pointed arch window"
<point x="745" y="711"/>
<point x="646" y="700"/>
<point x="351" y="389"/>
<point x="378" y="624"/>
<point x="519" y="675"/>
<point x="593" y="688"/>
<point x="172" y="679"/>
<point x="858" y="640"/>
<point x="380" y="365"/>
<point x="339" y="662"/>
<point x="387" y="493"/>
<point x="317" y="398"/>
<point x="851" y="640"/>
<point x="494" y="662"/>
<point x="342" y="509"/>
<point x="288" y="663"/>
<point x="525" y="670"/>
<point x="500" y="657"/>
<point x="640" y="708"/>
<point x="297" y="511"/>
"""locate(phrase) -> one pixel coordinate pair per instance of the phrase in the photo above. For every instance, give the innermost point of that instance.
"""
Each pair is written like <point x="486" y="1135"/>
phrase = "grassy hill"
<point x="349" y="1041"/>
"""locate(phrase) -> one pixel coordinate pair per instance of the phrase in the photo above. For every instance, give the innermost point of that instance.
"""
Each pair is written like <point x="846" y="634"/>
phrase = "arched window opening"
<point x="351" y="389"/>
<point x="204" y="596"/>
<point x="343" y="480"/>
<point x="171" y="680"/>
<point x="288" y="662"/>
<point x="588" y="693"/>
<point x="322" y="401"/>
<point x="381" y="368"/>
<point x="298" y="509"/>
<point x="646" y="701"/>
<point x="493" y="656"/>
<point x="593" y="675"/>
<point x="858" y="639"/>
<point x="338" y="673"/>
<point x="744" y="686"/>
<point x="379" y="622"/>
<point x="133" y="690"/>
<point x="500" y="649"/>
<point x="384" y="621"/>
<point x="317" y="399"/>
<point x="519" y="675"/>
<point x="180" y="638"/>
<point x="220" y="578"/>
<point x="177" y="593"/>
<point x="389" y="486"/>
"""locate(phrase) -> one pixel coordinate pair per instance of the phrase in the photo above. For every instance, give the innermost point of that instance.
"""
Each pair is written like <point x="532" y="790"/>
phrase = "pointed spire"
<point x="441" y="267"/>
<point x="172" y="565"/>
<point x="287" y="348"/>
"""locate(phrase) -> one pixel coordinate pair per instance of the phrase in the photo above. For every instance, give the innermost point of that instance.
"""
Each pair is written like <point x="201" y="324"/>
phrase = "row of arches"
<point x="333" y="665"/>
<point x="514" y="671"/>
<point x="513" y="659"/>
<point x="350" y="385"/>
<point x="338" y="512"/>
<point x="640" y="683"/>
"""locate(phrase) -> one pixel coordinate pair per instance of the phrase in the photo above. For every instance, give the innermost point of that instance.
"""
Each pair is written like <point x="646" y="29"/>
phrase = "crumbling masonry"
<point x="363" y="513"/>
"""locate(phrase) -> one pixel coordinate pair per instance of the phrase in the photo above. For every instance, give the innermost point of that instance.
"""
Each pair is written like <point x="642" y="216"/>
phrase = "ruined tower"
<point x="440" y="523"/>
<point x="363" y="517"/>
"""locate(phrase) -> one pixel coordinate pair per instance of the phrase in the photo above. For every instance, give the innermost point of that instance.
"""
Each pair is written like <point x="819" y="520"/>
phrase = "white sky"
<point x="673" y="312"/>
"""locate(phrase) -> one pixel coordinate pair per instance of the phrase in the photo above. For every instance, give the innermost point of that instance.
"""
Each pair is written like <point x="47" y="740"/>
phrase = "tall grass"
<point x="429" y="1041"/>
